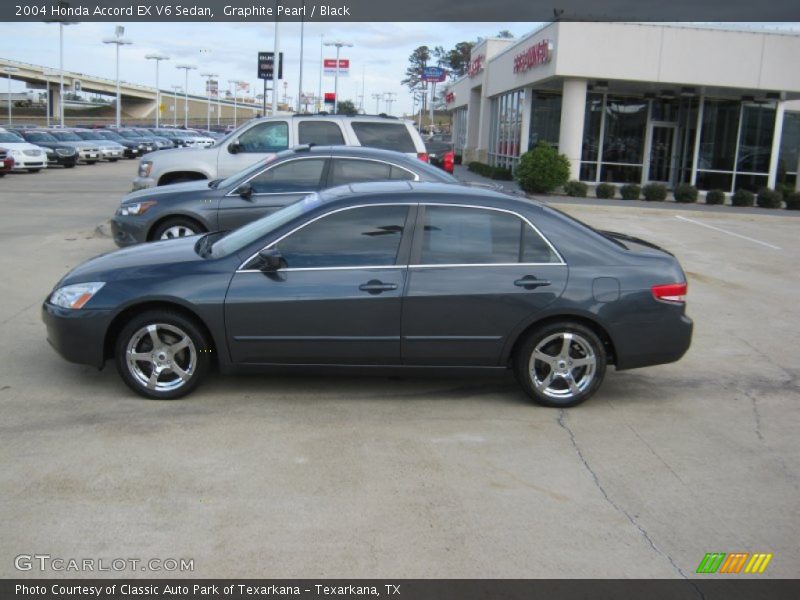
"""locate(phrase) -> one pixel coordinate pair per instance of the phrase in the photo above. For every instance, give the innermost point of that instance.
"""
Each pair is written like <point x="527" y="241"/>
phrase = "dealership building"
<point x="637" y="103"/>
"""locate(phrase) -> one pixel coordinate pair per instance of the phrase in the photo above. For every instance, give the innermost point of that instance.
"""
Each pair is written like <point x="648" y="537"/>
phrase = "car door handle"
<point x="374" y="286"/>
<point x="529" y="282"/>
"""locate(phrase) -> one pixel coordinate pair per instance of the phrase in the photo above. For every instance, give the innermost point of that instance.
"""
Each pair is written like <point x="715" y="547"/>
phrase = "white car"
<point x="259" y="139"/>
<point x="198" y="140"/>
<point x="27" y="157"/>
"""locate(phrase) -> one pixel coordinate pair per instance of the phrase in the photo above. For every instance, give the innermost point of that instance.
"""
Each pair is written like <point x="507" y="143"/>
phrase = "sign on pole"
<point x="434" y="74"/>
<point x="329" y="67"/>
<point x="266" y="65"/>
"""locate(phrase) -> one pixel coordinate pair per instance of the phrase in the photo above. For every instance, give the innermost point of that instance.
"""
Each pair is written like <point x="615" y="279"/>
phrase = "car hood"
<point x="81" y="145"/>
<point x="141" y="261"/>
<point x="166" y="190"/>
<point x="19" y="146"/>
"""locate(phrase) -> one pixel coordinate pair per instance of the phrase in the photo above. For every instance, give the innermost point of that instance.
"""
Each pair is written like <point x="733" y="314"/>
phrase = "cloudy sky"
<point x="380" y="51"/>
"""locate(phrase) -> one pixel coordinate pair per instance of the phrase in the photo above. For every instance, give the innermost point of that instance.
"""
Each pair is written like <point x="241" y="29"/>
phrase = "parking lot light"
<point x="208" y="77"/>
<point x="186" y="68"/>
<point x="9" y="71"/>
<point x="118" y="40"/>
<point x="175" y="90"/>
<point x="158" y="58"/>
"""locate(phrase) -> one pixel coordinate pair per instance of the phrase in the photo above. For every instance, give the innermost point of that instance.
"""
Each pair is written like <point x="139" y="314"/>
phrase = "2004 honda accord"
<point x="374" y="275"/>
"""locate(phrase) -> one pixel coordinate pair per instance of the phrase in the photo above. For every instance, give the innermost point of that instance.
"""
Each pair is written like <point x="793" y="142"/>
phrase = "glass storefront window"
<point x="591" y="127"/>
<point x="506" y="129"/>
<point x="459" y="133"/>
<point x="755" y="140"/>
<point x="545" y="119"/>
<point x="623" y="136"/>
<point x="790" y="148"/>
<point x="718" y="138"/>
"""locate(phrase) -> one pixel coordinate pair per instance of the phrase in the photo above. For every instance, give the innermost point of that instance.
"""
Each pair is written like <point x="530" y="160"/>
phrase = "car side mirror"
<point x="271" y="259"/>
<point x="235" y="146"/>
<point x="245" y="191"/>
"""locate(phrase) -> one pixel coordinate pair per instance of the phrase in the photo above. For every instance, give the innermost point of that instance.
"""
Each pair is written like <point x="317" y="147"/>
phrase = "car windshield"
<point x="66" y="136"/>
<point x="130" y="135"/>
<point x="251" y="170"/>
<point x="107" y="135"/>
<point x="39" y="136"/>
<point x="10" y="138"/>
<point x="244" y="236"/>
<point x="85" y="135"/>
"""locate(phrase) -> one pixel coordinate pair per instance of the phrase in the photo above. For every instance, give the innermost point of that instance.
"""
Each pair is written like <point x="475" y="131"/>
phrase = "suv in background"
<point x="260" y="139"/>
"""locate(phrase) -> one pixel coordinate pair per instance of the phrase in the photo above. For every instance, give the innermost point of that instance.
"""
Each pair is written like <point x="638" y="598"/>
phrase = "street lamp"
<point x="175" y="90"/>
<point x="236" y="83"/>
<point x="339" y="44"/>
<point x="158" y="58"/>
<point x="61" y="25"/>
<point x="208" y="77"/>
<point x="9" y="71"/>
<point x="186" y="68"/>
<point x="48" y="73"/>
<point x="118" y="41"/>
<point x="389" y="100"/>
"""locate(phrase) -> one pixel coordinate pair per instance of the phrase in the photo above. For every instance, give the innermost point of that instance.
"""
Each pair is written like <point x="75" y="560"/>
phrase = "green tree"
<point x="346" y="107"/>
<point x="505" y="34"/>
<point x="418" y="60"/>
<point x="542" y="169"/>
<point x="457" y="59"/>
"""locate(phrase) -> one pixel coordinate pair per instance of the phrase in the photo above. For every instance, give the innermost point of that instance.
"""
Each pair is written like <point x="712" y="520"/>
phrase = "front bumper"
<point x="128" y="230"/>
<point x="30" y="162"/>
<point x="77" y="335"/>
<point x="88" y="156"/>
<point x="63" y="161"/>
<point x="111" y="153"/>
<point x="132" y="152"/>
<point x="141" y="183"/>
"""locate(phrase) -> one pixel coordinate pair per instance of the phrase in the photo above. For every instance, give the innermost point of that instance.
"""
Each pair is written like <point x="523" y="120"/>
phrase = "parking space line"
<point x="744" y="237"/>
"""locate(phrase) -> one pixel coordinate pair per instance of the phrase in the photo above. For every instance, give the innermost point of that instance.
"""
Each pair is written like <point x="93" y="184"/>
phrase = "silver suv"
<point x="259" y="139"/>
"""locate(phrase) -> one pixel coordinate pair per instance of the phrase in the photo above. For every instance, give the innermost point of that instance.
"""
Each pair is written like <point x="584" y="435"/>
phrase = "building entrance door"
<point x="662" y="153"/>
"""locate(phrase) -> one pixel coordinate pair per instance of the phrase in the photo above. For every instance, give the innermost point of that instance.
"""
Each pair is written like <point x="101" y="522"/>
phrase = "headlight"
<point x="17" y="153"/>
<point x="135" y="209"/>
<point x="77" y="295"/>
<point x="145" y="167"/>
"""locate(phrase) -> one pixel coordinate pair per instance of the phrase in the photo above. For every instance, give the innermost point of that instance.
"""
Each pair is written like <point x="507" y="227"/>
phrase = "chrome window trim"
<point x="314" y="220"/>
<point x="561" y="261"/>
<point x="272" y="166"/>
<point x="385" y="162"/>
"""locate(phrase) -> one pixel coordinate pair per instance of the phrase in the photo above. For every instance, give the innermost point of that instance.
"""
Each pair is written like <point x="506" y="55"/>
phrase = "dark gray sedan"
<point x="183" y="209"/>
<point x="391" y="275"/>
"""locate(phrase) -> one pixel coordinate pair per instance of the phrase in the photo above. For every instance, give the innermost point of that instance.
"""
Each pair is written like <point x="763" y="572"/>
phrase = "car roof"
<point x="376" y="191"/>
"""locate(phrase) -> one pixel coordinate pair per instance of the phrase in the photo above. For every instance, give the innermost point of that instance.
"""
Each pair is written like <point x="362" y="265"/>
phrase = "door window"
<point x="301" y="175"/>
<point x="265" y="137"/>
<point x="358" y="237"/>
<point x="346" y="170"/>
<point x="321" y="133"/>
<point x="462" y="235"/>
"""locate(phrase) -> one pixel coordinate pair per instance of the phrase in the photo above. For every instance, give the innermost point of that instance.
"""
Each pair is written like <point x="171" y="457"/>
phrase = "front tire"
<point x="33" y="170"/>
<point x="162" y="355"/>
<point x="561" y="364"/>
<point x="176" y="228"/>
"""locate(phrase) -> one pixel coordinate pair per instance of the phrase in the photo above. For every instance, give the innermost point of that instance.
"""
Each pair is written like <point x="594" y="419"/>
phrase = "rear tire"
<point x="162" y="354"/>
<point x="176" y="228"/>
<point x="561" y="364"/>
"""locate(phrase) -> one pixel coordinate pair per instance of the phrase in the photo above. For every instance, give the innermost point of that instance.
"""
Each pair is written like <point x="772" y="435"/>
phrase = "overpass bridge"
<point x="138" y="101"/>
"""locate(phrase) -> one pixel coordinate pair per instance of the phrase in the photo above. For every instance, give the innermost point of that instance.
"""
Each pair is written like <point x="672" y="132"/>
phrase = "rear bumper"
<point x="77" y="335"/>
<point x="654" y="343"/>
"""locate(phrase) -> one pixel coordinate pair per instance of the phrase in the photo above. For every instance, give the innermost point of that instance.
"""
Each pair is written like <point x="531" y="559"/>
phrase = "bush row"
<point x="685" y="193"/>
<point x="490" y="171"/>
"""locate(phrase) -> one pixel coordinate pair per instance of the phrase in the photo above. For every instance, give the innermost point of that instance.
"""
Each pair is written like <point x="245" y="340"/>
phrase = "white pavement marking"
<point x="744" y="237"/>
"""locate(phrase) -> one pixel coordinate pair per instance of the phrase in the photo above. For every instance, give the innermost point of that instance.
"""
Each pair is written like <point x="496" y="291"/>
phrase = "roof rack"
<point x="327" y="114"/>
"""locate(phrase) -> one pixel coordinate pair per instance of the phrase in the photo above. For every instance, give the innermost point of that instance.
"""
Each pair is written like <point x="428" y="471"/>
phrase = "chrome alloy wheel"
<point x="177" y="231"/>
<point x="562" y="365"/>
<point x="161" y="357"/>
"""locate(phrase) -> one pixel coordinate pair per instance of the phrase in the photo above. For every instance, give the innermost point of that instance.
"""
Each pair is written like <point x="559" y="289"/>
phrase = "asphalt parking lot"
<point x="264" y="476"/>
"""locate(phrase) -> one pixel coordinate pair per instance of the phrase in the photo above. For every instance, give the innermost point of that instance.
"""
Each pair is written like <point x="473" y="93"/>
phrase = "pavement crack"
<point x="617" y="507"/>
<point x="756" y="415"/>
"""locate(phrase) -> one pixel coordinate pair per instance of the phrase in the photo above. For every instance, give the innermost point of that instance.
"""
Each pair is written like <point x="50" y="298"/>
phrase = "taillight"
<point x="423" y="156"/>
<point x="448" y="161"/>
<point x="670" y="292"/>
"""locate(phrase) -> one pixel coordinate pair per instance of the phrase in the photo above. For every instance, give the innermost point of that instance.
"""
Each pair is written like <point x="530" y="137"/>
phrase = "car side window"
<point x="265" y="137"/>
<point x="456" y="235"/>
<point x="351" y="170"/>
<point x="321" y="133"/>
<point x="357" y="237"/>
<point x="301" y="175"/>
<point x="388" y="136"/>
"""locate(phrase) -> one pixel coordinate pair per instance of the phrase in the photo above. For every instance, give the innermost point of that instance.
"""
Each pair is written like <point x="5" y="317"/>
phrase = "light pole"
<point x="377" y="98"/>
<point x="389" y="100"/>
<point x="9" y="71"/>
<point x="186" y="68"/>
<point x="339" y="44"/>
<point x="320" y="101"/>
<point x="158" y="58"/>
<point x="61" y="25"/>
<point x="48" y="73"/>
<point x="208" y="77"/>
<point x="175" y="90"/>
<point x="276" y="61"/>
<point x="302" y="40"/>
<point x="118" y="41"/>
<point x="235" y="83"/>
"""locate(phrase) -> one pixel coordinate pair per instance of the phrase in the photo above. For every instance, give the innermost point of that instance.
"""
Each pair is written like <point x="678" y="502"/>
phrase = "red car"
<point x="6" y="162"/>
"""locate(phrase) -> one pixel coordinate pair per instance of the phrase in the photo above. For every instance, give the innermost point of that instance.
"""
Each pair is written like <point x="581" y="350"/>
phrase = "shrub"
<point x="785" y="189"/>
<point x="490" y="171"/>
<point x="576" y="189"/>
<point x="792" y="200"/>
<point x="542" y="169"/>
<point x="742" y="198"/>
<point x="685" y="192"/>
<point x="715" y="197"/>
<point x="605" y="191"/>
<point x="655" y="192"/>
<point x="630" y="191"/>
<point x="768" y="198"/>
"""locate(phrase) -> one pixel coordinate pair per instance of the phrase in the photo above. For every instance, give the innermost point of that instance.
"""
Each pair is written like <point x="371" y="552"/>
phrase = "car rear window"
<point x="387" y="136"/>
